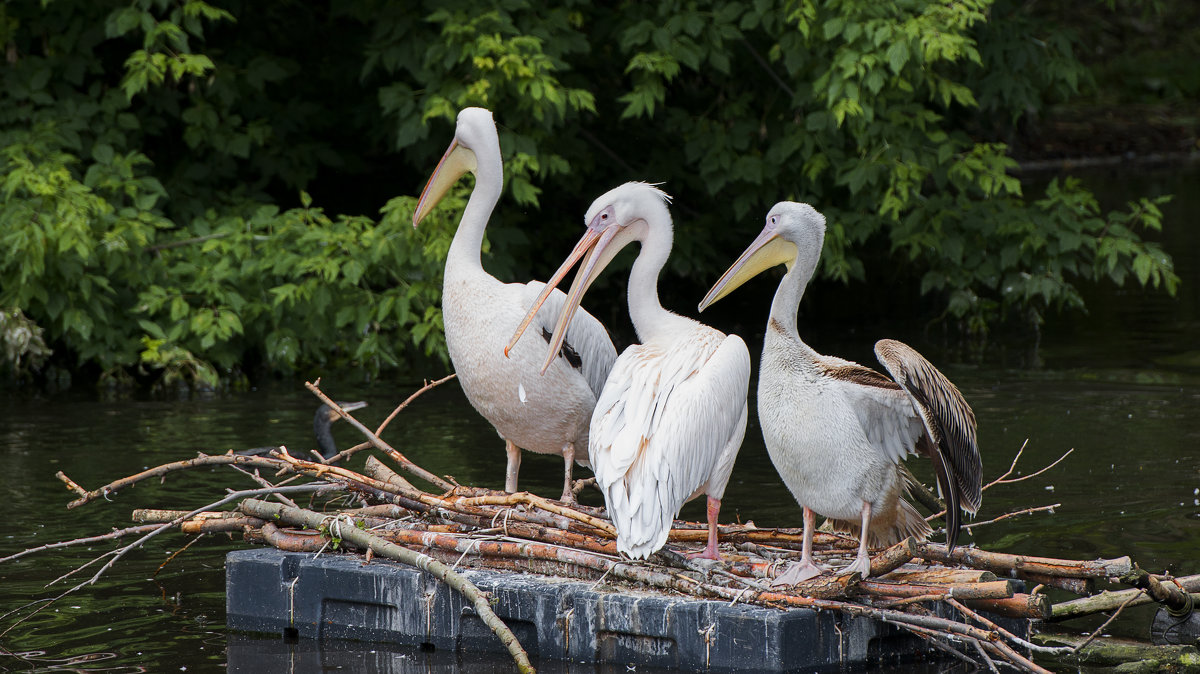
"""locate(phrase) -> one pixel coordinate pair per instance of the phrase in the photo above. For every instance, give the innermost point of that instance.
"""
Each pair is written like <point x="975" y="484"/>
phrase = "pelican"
<point x="837" y="431"/>
<point x="543" y="414"/>
<point x="672" y="415"/>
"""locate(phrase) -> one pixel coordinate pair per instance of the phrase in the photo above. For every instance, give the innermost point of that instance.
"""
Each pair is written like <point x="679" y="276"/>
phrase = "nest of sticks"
<point x="380" y="513"/>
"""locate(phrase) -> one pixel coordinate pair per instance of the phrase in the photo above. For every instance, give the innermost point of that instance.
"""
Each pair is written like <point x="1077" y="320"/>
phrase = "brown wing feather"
<point x="950" y="423"/>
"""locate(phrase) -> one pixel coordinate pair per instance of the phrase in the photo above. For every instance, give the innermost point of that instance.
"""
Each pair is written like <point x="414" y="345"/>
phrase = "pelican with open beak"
<point x="672" y="414"/>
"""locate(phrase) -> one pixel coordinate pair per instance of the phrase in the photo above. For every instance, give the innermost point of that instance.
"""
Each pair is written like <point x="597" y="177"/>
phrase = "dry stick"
<point x="175" y="554"/>
<point x="997" y="628"/>
<point x="1020" y="605"/>
<point x="1003" y="479"/>
<point x="1026" y="511"/>
<point x="996" y="589"/>
<point x="121" y="552"/>
<point x="986" y="658"/>
<point x="399" y="458"/>
<point x="412" y="498"/>
<point x="428" y="385"/>
<point x="525" y="498"/>
<point x="264" y="483"/>
<point x="1014" y="657"/>
<point x="113" y="535"/>
<point x="1100" y="629"/>
<point x="894" y="557"/>
<point x="942" y="642"/>
<point x="376" y="469"/>
<point x="363" y="539"/>
<point x="289" y="541"/>
<point x="159" y="471"/>
<point x="1004" y="563"/>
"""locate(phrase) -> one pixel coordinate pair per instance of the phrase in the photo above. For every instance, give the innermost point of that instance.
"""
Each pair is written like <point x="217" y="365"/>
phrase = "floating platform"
<point x="339" y="597"/>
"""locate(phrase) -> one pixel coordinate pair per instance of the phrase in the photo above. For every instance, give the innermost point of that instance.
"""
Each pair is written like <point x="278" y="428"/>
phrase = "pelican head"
<point x="793" y="235"/>
<point x="474" y="135"/>
<point x="635" y="211"/>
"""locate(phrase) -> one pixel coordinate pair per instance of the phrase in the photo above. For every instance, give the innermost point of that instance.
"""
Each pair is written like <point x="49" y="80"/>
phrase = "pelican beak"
<point x="768" y="250"/>
<point x="457" y="161"/>
<point x="597" y="244"/>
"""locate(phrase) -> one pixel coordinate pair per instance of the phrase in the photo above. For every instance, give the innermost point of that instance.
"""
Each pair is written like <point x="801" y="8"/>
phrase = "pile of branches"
<point x="447" y="525"/>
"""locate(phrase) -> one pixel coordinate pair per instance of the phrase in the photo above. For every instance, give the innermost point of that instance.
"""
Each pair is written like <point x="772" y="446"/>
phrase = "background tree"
<point x="195" y="191"/>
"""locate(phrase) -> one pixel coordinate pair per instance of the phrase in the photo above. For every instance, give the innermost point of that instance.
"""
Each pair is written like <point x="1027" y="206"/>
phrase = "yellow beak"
<point x="457" y="161"/>
<point x="767" y="250"/>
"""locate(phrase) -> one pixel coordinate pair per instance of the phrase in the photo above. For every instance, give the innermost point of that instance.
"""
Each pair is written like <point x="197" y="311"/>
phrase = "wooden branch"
<point x="893" y="558"/>
<point x="1110" y="652"/>
<point x="1020" y="605"/>
<point x="525" y="498"/>
<point x="375" y="468"/>
<point x="344" y="528"/>
<point x="1026" y="511"/>
<point x="111" y="536"/>
<point x="1168" y="594"/>
<point x="162" y="470"/>
<point x="1108" y="601"/>
<point x="996" y="589"/>
<point x="412" y="468"/>
<point x="1079" y="586"/>
<point x="1005" y="564"/>
<point x="156" y="530"/>
<point x="428" y="385"/>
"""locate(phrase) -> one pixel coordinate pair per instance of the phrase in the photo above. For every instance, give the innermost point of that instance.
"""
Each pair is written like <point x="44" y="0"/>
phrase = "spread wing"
<point x="883" y="409"/>
<point x="587" y="346"/>
<point x="945" y="415"/>
<point x="659" y="430"/>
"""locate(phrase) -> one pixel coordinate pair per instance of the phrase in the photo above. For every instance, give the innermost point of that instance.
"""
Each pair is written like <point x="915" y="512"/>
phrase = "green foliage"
<point x="193" y="192"/>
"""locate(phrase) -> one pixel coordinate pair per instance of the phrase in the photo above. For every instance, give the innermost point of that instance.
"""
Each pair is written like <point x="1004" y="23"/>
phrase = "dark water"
<point x="1121" y="386"/>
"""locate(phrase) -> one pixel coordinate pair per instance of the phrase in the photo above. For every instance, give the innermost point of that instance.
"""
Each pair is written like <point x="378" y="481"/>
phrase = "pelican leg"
<point x="568" y="495"/>
<point x="514" y="465"/>
<point x="862" y="563"/>
<point x="710" y="550"/>
<point x="806" y="568"/>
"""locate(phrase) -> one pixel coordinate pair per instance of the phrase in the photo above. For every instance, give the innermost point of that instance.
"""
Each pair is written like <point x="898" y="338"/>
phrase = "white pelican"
<point x="544" y="414"/>
<point x="672" y="414"/>
<point x="837" y="431"/>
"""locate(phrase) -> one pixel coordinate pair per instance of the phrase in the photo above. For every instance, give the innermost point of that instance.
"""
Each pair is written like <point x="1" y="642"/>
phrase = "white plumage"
<point x="672" y="414"/>
<point x="837" y="431"/>
<point x="544" y="414"/>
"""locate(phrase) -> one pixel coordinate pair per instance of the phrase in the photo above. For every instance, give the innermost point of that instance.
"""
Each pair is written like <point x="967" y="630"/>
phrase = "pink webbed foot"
<point x="798" y="572"/>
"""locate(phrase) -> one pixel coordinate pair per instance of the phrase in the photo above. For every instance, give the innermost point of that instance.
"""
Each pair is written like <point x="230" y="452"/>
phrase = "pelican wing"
<point x="883" y="409"/>
<point x="945" y="415"/>
<point x="587" y="346"/>
<point x="662" y="428"/>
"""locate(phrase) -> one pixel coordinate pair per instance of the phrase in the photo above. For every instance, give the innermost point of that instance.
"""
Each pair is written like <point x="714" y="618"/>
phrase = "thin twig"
<point x="428" y="385"/>
<point x="112" y="535"/>
<point x="1026" y="511"/>
<point x="263" y="482"/>
<point x="375" y="440"/>
<point x="121" y="552"/>
<point x="1100" y="629"/>
<point x="177" y="553"/>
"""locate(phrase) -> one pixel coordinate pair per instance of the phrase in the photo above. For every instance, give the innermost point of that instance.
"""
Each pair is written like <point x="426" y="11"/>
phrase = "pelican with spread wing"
<point x="837" y="431"/>
<point x="672" y="415"/>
